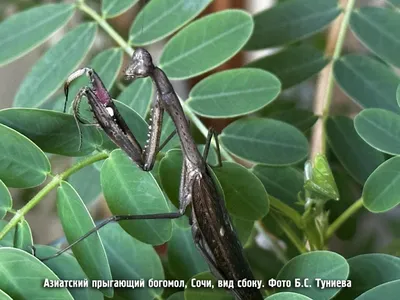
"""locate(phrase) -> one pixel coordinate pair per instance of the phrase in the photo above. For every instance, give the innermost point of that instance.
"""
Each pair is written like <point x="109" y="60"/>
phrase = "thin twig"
<point x="351" y="210"/>
<point x="50" y="186"/>
<point x="325" y="84"/>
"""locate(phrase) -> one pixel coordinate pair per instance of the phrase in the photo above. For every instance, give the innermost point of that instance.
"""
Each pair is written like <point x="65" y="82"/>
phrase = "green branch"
<point x="344" y="217"/>
<point x="287" y="211"/>
<point x="57" y="179"/>
<point x="107" y="28"/>
<point x="289" y="233"/>
<point x="327" y="100"/>
<point x="336" y="54"/>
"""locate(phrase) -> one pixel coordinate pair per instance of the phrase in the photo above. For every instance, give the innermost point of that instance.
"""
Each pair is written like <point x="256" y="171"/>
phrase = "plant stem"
<point x="289" y="233"/>
<point x="107" y="28"/>
<point x="57" y="179"/>
<point x="129" y="50"/>
<point x="344" y="217"/>
<point x="336" y="54"/>
<point x="325" y="83"/>
<point x="287" y="211"/>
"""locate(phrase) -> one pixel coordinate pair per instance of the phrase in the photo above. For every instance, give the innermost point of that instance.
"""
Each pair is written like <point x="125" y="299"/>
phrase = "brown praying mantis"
<point x="211" y="225"/>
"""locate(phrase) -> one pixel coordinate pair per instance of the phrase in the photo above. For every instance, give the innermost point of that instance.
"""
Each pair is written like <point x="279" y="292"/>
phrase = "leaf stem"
<point x="158" y="297"/>
<point x="325" y="83"/>
<point x="287" y="211"/>
<point x="336" y="54"/>
<point x="107" y="28"/>
<point x="344" y="217"/>
<point x="289" y="233"/>
<point x="19" y="215"/>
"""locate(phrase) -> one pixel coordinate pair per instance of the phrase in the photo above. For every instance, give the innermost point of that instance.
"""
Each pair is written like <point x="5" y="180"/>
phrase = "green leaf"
<point x="243" y="229"/>
<point x="76" y="221"/>
<point x="291" y="21"/>
<point x="23" y="236"/>
<point x="264" y="263"/>
<point x="107" y="65"/>
<point x="133" y="260"/>
<point x="54" y="66"/>
<point x="368" y="271"/>
<point x="5" y="200"/>
<point x="245" y="194"/>
<point x="26" y="30"/>
<point x="380" y="129"/>
<point x="358" y="158"/>
<point x="293" y="65"/>
<point x="283" y="103"/>
<point x="53" y="132"/>
<point x="309" y="266"/>
<point x="287" y="296"/>
<point x="138" y="95"/>
<point x="87" y="184"/>
<point x="160" y="18"/>
<point x="55" y="102"/>
<point x="348" y="194"/>
<point x="177" y="296"/>
<point x="212" y="158"/>
<point x="170" y="170"/>
<point x="387" y="291"/>
<point x="22" y="163"/>
<point x="283" y="183"/>
<point x="129" y="190"/>
<point x="66" y="267"/>
<point x="22" y="277"/>
<point x="367" y="81"/>
<point x="8" y="239"/>
<point x="167" y="128"/>
<point x="181" y="248"/>
<point x="299" y="118"/>
<point x="196" y="293"/>
<point x="377" y="28"/>
<point x="233" y="93"/>
<point x="191" y="52"/>
<point x="4" y="296"/>
<point x="394" y="2"/>
<point x="265" y="141"/>
<point x="113" y="8"/>
<point x="381" y="188"/>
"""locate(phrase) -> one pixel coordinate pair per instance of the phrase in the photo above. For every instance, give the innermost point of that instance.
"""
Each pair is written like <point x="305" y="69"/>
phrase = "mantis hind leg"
<point x="211" y="133"/>
<point x="169" y="215"/>
<point x="165" y="142"/>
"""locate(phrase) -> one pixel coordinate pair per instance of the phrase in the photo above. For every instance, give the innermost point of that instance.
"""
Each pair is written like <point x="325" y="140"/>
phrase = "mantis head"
<point x="141" y="65"/>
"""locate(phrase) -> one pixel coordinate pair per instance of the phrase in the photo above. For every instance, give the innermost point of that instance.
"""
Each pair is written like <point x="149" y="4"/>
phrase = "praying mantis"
<point x="211" y="225"/>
